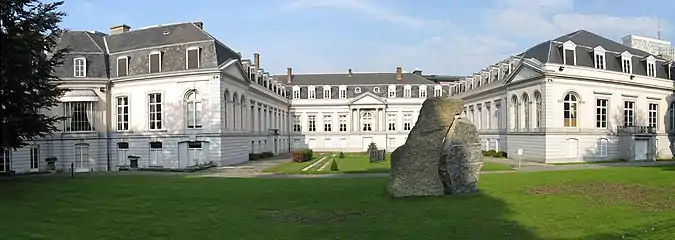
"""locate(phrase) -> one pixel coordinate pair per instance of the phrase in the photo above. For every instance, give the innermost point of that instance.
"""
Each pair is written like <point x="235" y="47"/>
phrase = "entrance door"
<point x="82" y="157"/>
<point x="365" y="142"/>
<point x="573" y="147"/>
<point x="641" y="150"/>
<point x="34" y="159"/>
<point x="5" y="160"/>
<point x="275" y="146"/>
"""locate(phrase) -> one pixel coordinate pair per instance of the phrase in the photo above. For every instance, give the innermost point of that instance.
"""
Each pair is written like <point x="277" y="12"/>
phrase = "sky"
<point x="452" y="37"/>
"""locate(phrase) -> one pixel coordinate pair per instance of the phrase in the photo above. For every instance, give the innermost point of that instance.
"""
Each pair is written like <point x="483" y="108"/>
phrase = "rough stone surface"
<point x="461" y="160"/>
<point x="415" y="164"/>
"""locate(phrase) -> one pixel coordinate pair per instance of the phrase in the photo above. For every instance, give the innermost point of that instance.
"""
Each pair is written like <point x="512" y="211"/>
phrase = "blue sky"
<point x="455" y="37"/>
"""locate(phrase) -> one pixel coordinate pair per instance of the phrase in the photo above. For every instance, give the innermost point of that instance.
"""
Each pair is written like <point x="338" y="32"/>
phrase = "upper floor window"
<point x="193" y="110"/>
<point x="155" y="62"/>
<point x="626" y="63"/>
<point x="79" y="116"/>
<point x="367" y="122"/>
<point x="192" y="58"/>
<point x="296" y="123"/>
<point x="628" y="113"/>
<point x="599" y="54"/>
<point x="342" y="119"/>
<point x="311" y="92"/>
<point x="327" y="123"/>
<point x="407" y="91"/>
<point x="569" y="53"/>
<point x="407" y="121"/>
<point x="651" y="69"/>
<point x="423" y="91"/>
<point x="391" y="122"/>
<point x="122" y="66"/>
<point x="296" y="92"/>
<point x="122" y="113"/>
<point x="326" y="92"/>
<point x="671" y="117"/>
<point x="155" y="111"/>
<point x="653" y="118"/>
<point x="343" y="92"/>
<point x="570" y="103"/>
<point x="391" y="91"/>
<point x="311" y="123"/>
<point x="438" y="91"/>
<point x="80" y="67"/>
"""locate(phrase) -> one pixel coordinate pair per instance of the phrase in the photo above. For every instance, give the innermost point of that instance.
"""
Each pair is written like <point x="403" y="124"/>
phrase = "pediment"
<point x="367" y="99"/>
<point x="524" y="72"/>
<point x="235" y="70"/>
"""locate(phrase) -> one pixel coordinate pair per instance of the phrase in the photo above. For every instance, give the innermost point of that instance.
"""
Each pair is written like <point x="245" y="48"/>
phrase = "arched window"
<point x="601" y="147"/>
<point x="537" y="110"/>
<point x="367" y="121"/>
<point x="526" y="110"/>
<point x="235" y="99"/>
<point x="193" y="110"/>
<point x="243" y="112"/>
<point x="671" y="117"/>
<point x="570" y="104"/>
<point x="515" y="112"/>
<point x="226" y="112"/>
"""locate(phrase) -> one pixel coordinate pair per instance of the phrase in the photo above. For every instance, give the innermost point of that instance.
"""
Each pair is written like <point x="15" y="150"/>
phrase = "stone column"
<point x="358" y="120"/>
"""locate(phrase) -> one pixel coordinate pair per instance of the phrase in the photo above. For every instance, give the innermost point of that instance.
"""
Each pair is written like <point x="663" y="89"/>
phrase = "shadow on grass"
<point x="666" y="168"/>
<point x="657" y="230"/>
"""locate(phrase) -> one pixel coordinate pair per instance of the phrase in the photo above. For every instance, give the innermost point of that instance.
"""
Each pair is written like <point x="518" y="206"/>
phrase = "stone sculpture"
<point x="441" y="156"/>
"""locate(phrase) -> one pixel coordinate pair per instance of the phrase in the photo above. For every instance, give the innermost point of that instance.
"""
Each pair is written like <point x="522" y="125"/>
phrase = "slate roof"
<point x="551" y="52"/>
<point x="82" y="41"/>
<point x="355" y="79"/>
<point x="443" y="78"/>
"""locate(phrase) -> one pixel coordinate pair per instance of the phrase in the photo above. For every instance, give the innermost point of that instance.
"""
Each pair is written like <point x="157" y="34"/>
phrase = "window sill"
<point x="157" y="130"/>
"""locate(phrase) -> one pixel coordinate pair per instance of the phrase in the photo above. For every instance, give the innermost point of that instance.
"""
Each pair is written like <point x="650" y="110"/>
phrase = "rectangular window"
<point x="626" y="66"/>
<point x="326" y="93"/>
<point x="122" y="66"/>
<point x="5" y="160"/>
<point x="155" y="111"/>
<point x="423" y="92"/>
<point x="601" y="113"/>
<point x="407" y="93"/>
<point x="391" y="122"/>
<point x="438" y="92"/>
<point x="599" y="61"/>
<point x="628" y="113"/>
<point x="80" y="65"/>
<point x="602" y="147"/>
<point x="155" y="62"/>
<point x="651" y="70"/>
<point x="343" y="123"/>
<point x="327" y="143"/>
<point x="311" y="122"/>
<point x="82" y="156"/>
<point x="122" y="153"/>
<point x="569" y="57"/>
<point x="193" y="58"/>
<point x="195" y="155"/>
<point x="79" y="116"/>
<point x="296" y="124"/>
<point x="122" y="113"/>
<point x="392" y="142"/>
<point x="155" y="150"/>
<point x="327" y="123"/>
<point x="311" y="93"/>
<point x="296" y="94"/>
<point x="407" y="122"/>
<point x="343" y="93"/>
<point x="34" y="158"/>
<point x="392" y="92"/>
<point x="653" y="115"/>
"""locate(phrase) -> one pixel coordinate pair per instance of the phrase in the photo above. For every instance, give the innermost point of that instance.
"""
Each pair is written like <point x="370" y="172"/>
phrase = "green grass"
<point x="357" y="163"/>
<point x="636" y="203"/>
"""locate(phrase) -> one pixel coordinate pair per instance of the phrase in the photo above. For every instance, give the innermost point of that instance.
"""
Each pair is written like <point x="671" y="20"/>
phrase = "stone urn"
<point x="51" y="163"/>
<point x="133" y="161"/>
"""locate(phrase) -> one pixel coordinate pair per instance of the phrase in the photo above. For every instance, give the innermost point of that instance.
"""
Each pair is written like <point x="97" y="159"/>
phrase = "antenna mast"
<point x="658" y="29"/>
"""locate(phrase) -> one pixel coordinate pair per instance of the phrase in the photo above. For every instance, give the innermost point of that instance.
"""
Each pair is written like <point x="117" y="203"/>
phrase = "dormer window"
<point x="626" y="62"/>
<point x="343" y="92"/>
<point x="155" y="62"/>
<point x="192" y="56"/>
<point x="486" y="78"/>
<point x="376" y="90"/>
<point x="423" y="91"/>
<point x="651" y="66"/>
<point x="599" y="56"/>
<point x="326" y="92"/>
<point x="438" y="91"/>
<point x="80" y="67"/>
<point x="569" y="53"/>
<point x="357" y="90"/>
<point x="407" y="91"/>
<point x="296" y="92"/>
<point x="122" y="66"/>
<point x="283" y="91"/>
<point x="391" y="91"/>
<point x="251" y="74"/>
<point x="507" y="69"/>
<point x="311" y="92"/>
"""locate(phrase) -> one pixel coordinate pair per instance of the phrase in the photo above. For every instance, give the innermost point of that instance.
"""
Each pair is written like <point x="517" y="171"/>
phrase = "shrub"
<point x="302" y="155"/>
<point x="491" y="153"/>
<point x="254" y="156"/>
<point x="334" y="166"/>
<point x="342" y="155"/>
<point x="267" y="154"/>
<point x="502" y="154"/>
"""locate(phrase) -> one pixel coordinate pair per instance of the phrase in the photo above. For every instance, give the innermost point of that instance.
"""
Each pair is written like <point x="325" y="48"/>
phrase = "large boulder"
<point x="462" y="159"/>
<point x="415" y="164"/>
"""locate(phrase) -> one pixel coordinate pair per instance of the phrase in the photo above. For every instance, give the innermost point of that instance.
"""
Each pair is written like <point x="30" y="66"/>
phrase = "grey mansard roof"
<point x="551" y="52"/>
<point x="335" y="79"/>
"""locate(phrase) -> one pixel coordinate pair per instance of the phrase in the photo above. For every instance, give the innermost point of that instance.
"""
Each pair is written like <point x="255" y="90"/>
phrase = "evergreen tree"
<point x="29" y="36"/>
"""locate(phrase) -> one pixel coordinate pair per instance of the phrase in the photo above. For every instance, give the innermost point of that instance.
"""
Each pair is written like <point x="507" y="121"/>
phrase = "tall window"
<point x="391" y="121"/>
<point x="343" y="123"/>
<point x="79" y="116"/>
<point x="626" y="66"/>
<point x="602" y="147"/>
<point x="122" y="153"/>
<point x="195" y="155"/>
<point x="391" y="91"/>
<point x="438" y="91"/>
<point x="80" y="65"/>
<point x="326" y="92"/>
<point x="343" y="92"/>
<point x="122" y="66"/>
<point x="82" y="156"/>
<point x="537" y="112"/>
<point x="226" y="113"/>
<point x="35" y="158"/>
<point x="155" y="150"/>
<point x="193" y="110"/>
<point x="5" y="160"/>
<point x="155" y="111"/>
<point x="653" y="115"/>
<point x="296" y="93"/>
<point x="327" y="123"/>
<point x="122" y="113"/>
<point x="526" y="110"/>
<point x="671" y="118"/>
<point x="311" y="122"/>
<point x="367" y="122"/>
<point x="651" y="69"/>
<point x="570" y="103"/>
<point x="155" y="63"/>
<point x="192" y="56"/>
<point x="311" y="92"/>
<point x="407" y="121"/>
<point x="296" y="124"/>
<point x="407" y="91"/>
<point x="628" y="113"/>
<point x="600" y="60"/>
<point x="498" y="115"/>
<point x="515" y="112"/>
<point x="423" y="91"/>
<point x="601" y="113"/>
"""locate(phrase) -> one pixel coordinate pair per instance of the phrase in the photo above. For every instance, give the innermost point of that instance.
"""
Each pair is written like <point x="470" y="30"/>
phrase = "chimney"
<point x="417" y="72"/>
<point x="200" y="25"/>
<point x="399" y="73"/>
<point x="256" y="60"/>
<point x="350" y="72"/>
<point x="289" y="75"/>
<point x="119" y="29"/>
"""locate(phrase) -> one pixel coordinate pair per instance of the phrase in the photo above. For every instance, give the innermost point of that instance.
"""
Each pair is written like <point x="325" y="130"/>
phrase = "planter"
<point x="51" y="163"/>
<point x="133" y="161"/>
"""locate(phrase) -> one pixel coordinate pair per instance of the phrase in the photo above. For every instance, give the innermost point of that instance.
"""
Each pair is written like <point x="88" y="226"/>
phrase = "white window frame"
<point x="391" y="91"/>
<point x="601" y="148"/>
<point x="629" y="112"/>
<point x="327" y="123"/>
<point x="195" y="154"/>
<point x="326" y="92"/>
<point x="601" y="120"/>
<point x="651" y="66"/>
<point x="83" y="67"/>
<point x="34" y="158"/>
<point x="422" y="91"/>
<point x="573" y="109"/>
<point x="311" y="123"/>
<point x="6" y="160"/>
<point x="187" y="51"/>
<point x="367" y="122"/>
<point x="407" y="91"/>
<point x="343" y="92"/>
<point x="150" y="61"/>
<point x="376" y="90"/>
<point x="82" y="150"/>
<point x="311" y="92"/>
<point x="342" y="121"/>
<point x="407" y="121"/>
<point x="89" y="112"/>
<point x="154" y="154"/>
<point x="438" y="91"/>
<point x="196" y="112"/>
<point x="122" y="157"/>
<point x="161" y="112"/>
<point x="296" y="92"/>
<point x="391" y="121"/>
<point x="569" y="45"/>
<point x="119" y="113"/>
<point x="653" y="115"/>
<point x="126" y="60"/>
<point x="599" y="60"/>
<point x="297" y="126"/>
<point x="627" y="62"/>
<point x="357" y="90"/>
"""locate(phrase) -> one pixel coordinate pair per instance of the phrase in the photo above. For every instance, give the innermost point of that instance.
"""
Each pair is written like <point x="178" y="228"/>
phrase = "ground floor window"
<point x="296" y="143"/>
<point x="155" y="150"/>
<point x="195" y="155"/>
<point x="122" y="153"/>
<point x="35" y="158"/>
<point x="5" y="160"/>
<point x="82" y="156"/>
<point x="252" y="146"/>
<point x="327" y="143"/>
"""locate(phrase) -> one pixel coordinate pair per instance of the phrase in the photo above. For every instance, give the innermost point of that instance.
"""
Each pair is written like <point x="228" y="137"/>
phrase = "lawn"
<point x="635" y="203"/>
<point x="354" y="163"/>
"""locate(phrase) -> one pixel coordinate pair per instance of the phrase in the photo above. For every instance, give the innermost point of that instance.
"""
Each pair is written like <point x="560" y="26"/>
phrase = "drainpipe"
<point x="108" y="117"/>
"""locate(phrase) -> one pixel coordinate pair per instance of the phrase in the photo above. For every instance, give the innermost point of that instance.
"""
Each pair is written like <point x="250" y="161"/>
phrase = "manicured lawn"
<point x="635" y="203"/>
<point x="355" y="163"/>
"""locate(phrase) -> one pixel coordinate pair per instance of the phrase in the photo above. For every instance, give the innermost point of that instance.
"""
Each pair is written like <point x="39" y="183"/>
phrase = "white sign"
<point x="520" y="151"/>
